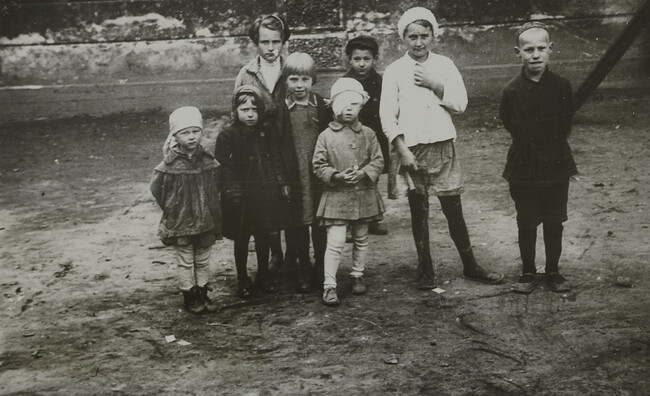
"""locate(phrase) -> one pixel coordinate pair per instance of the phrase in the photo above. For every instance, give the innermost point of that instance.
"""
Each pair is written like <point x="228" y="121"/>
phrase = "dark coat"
<point x="251" y="176"/>
<point x="186" y="189"/>
<point x="290" y="161"/>
<point x="538" y="116"/>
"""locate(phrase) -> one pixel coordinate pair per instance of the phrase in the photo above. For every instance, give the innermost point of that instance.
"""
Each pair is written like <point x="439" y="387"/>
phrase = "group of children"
<point x="293" y="161"/>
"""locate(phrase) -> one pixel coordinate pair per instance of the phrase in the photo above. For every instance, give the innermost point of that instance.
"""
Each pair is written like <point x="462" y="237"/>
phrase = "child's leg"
<point x="319" y="242"/>
<point x="241" y="258"/>
<point x="553" y="245"/>
<point x="185" y="265"/>
<point x="300" y="236"/>
<point x="275" y="244"/>
<point x="452" y="208"/>
<point x="185" y="260"/>
<point x="360" y="248"/>
<point x="335" y="243"/>
<point x="202" y="265"/>
<point x="202" y="255"/>
<point x="527" y="240"/>
<point x="419" y="205"/>
<point x="263" y="278"/>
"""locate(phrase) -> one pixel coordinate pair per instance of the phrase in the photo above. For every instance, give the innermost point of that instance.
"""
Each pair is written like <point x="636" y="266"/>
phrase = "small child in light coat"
<point x="348" y="160"/>
<point x="185" y="186"/>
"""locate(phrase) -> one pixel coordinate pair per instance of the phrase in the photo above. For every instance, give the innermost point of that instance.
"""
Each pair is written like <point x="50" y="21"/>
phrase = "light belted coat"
<point x="338" y="148"/>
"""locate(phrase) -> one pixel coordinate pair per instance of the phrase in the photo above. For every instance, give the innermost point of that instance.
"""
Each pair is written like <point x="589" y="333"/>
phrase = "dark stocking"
<point x="419" y="205"/>
<point x="241" y="258"/>
<point x="319" y="241"/>
<point x="553" y="245"/>
<point x="527" y="240"/>
<point x="262" y="252"/>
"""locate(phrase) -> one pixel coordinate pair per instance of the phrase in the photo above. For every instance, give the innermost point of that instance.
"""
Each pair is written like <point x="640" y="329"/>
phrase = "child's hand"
<point x="338" y="178"/>
<point x="407" y="159"/>
<point x="286" y="191"/>
<point x="425" y="78"/>
<point x="353" y="176"/>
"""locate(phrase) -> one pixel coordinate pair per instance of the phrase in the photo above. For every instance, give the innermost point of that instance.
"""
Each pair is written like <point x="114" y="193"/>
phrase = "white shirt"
<point x="416" y="112"/>
<point x="270" y="72"/>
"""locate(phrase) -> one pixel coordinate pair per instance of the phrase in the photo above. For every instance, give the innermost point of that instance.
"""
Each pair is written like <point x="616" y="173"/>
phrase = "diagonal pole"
<point x="613" y="54"/>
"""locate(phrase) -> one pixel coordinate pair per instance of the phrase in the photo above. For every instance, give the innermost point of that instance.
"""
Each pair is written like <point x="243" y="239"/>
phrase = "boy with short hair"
<point x="537" y="109"/>
<point x="362" y="52"/>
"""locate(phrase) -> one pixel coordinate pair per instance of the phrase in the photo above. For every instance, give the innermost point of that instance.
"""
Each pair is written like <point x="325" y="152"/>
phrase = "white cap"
<point x="184" y="117"/>
<point x="413" y="14"/>
<point x="348" y="84"/>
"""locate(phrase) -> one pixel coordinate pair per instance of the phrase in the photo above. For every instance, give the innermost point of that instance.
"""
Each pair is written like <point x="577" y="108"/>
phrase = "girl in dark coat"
<point x="253" y="199"/>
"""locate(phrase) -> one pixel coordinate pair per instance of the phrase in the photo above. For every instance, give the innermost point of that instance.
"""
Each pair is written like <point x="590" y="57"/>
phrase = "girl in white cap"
<point x="185" y="187"/>
<point x="419" y="92"/>
<point x="348" y="160"/>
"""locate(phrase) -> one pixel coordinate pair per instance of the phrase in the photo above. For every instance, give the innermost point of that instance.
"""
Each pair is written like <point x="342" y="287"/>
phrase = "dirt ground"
<point x="89" y="293"/>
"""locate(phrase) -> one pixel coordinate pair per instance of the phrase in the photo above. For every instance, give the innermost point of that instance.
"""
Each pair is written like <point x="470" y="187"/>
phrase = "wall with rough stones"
<point x="95" y="56"/>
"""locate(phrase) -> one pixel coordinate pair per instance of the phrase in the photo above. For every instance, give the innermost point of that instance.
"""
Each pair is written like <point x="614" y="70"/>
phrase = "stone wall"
<point x="144" y="52"/>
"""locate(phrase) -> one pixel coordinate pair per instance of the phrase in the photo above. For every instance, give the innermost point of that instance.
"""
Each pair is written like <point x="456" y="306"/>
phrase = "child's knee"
<point x="336" y="237"/>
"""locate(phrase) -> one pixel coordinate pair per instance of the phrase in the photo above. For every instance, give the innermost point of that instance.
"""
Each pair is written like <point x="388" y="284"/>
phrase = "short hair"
<point x="532" y="25"/>
<point x="272" y="22"/>
<point x="421" y="22"/>
<point x="300" y="64"/>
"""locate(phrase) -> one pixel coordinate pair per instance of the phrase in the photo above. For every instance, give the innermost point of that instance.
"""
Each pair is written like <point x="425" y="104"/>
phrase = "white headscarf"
<point x="346" y="90"/>
<point x="179" y="119"/>
<point x="413" y="14"/>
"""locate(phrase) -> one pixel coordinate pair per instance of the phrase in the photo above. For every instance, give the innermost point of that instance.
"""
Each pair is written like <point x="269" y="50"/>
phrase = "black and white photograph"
<point x="324" y="197"/>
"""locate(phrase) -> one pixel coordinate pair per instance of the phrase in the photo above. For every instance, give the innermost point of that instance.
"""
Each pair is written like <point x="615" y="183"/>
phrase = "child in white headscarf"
<point x="419" y="93"/>
<point x="348" y="160"/>
<point x="186" y="189"/>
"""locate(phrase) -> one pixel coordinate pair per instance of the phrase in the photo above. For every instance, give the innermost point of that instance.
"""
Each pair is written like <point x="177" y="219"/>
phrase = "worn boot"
<point x="474" y="272"/>
<point x="425" y="276"/>
<point x="192" y="302"/>
<point x="202" y="294"/>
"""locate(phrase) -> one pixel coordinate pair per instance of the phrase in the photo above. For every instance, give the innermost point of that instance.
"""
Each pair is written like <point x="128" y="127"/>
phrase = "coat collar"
<point x="311" y="102"/>
<point x="337" y="126"/>
<point x="173" y="154"/>
<point x="372" y="75"/>
<point x="412" y="62"/>
<point x="254" y="66"/>
<point x="530" y="84"/>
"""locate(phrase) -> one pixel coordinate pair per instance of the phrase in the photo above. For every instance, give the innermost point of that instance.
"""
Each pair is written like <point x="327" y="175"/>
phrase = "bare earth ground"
<point x="88" y="294"/>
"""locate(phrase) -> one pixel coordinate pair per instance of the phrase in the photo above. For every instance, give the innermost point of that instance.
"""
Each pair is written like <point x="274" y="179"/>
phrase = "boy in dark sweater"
<point x="362" y="52"/>
<point x="537" y="109"/>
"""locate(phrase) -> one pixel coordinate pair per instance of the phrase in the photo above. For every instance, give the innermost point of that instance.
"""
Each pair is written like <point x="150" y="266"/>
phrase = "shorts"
<point x="537" y="204"/>
<point x="439" y="170"/>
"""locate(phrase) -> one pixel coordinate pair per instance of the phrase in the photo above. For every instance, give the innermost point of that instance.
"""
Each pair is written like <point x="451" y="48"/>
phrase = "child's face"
<point x="350" y="112"/>
<point x="189" y="138"/>
<point x="269" y="45"/>
<point x="299" y="86"/>
<point x="247" y="113"/>
<point x="362" y="61"/>
<point x="534" y="50"/>
<point x="418" y="39"/>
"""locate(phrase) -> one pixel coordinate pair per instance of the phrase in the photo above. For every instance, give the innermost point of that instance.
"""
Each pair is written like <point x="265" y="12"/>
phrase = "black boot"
<point x="202" y="296"/>
<point x="474" y="272"/>
<point x="425" y="275"/>
<point x="192" y="302"/>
